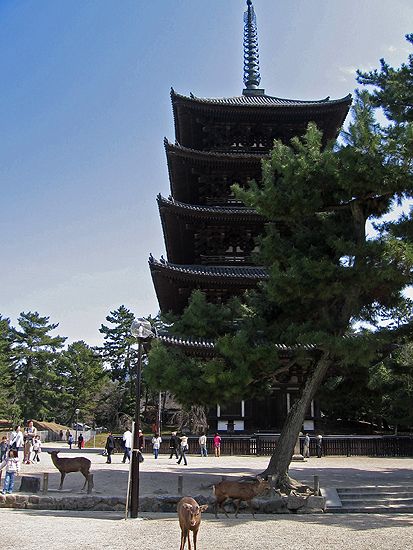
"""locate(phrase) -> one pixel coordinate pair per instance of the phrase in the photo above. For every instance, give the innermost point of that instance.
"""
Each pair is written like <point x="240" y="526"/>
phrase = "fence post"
<point x="90" y="483"/>
<point x="45" y="482"/>
<point x="316" y="485"/>
<point x="180" y="484"/>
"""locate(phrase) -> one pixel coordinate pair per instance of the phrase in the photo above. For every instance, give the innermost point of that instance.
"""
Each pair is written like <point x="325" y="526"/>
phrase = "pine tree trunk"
<point x="280" y="460"/>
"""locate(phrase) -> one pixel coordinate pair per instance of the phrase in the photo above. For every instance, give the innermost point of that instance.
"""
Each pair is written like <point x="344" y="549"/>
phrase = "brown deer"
<point x="237" y="491"/>
<point x="67" y="465"/>
<point x="189" y="513"/>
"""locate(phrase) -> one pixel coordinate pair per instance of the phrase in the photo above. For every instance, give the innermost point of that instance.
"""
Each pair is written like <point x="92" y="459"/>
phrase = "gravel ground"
<point x="161" y="476"/>
<point x="32" y="530"/>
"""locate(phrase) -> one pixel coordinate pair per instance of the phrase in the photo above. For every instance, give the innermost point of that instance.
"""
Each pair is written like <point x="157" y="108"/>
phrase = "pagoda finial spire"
<point x="252" y="77"/>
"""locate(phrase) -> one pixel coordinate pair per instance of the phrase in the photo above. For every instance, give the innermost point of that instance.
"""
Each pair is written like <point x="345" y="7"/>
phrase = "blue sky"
<point x="84" y="109"/>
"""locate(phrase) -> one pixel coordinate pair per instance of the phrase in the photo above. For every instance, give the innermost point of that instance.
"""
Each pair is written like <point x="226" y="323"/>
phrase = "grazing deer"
<point x="67" y="465"/>
<point x="237" y="491"/>
<point x="189" y="513"/>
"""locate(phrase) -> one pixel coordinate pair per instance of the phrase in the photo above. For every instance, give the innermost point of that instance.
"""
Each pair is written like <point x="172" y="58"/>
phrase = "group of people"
<point x="28" y="442"/>
<point x="180" y="444"/>
<point x="127" y="438"/>
<point x="319" y="445"/>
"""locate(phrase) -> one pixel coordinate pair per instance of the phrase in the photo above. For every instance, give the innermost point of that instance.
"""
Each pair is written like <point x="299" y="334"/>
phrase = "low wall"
<point x="274" y="504"/>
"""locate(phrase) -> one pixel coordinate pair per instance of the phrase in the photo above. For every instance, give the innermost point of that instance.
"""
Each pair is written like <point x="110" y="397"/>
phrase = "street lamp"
<point x="77" y="411"/>
<point x="141" y="329"/>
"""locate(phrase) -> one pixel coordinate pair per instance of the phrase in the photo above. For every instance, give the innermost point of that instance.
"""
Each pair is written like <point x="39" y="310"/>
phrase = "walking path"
<point x="30" y="529"/>
<point x="161" y="476"/>
<point x="109" y="530"/>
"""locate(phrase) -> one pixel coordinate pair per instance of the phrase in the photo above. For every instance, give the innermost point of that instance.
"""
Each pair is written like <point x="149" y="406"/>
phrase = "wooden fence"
<point x="260" y="445"/>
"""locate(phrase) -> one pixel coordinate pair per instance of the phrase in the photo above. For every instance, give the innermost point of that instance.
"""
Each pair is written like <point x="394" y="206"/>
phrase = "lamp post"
<point x="141" y="329"/>
<point x="77" y="411"/>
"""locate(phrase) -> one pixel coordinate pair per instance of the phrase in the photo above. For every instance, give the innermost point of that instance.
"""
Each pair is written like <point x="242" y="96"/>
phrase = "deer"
<point x="67" y="465"/>
<point x="238" y="491"/>
<point x="189" y="514"/>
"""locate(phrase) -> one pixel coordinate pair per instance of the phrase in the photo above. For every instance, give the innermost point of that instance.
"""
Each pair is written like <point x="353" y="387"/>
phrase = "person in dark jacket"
<point x="174" y="443"/>
<point x="110" y="447"/>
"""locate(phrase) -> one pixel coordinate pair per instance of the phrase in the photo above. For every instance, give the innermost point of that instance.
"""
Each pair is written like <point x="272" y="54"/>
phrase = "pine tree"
<point x="9" y="409"/>
<point x="37" y="353"/>
<point x="80" y="376"/>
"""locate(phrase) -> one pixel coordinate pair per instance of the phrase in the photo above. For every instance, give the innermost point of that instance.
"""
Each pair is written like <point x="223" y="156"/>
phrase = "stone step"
<point x="378" y="497"/>
<point x="370" y="510"/>
<point x="372" y="500"/>
<point x="375" y="489"/>
<point x="377" y="502"/>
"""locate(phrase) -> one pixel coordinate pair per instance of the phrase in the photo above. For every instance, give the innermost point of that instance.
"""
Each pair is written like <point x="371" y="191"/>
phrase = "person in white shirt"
<point x="127" y="442"/>
<point x="36" y="448"/>
<point x="156" y="442"/>
<point x="203" y="445"/>
<point x="12" y="465"/>
<point x="16" y="441"/>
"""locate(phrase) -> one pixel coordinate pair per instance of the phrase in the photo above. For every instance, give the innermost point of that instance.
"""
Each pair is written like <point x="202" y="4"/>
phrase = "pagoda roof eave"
<point x="228" y="213"/>
<point x="219" y="274"/>
<point x="260" y="101"/>
<point x="208" y="156"/>
<point x="202" y="345"/>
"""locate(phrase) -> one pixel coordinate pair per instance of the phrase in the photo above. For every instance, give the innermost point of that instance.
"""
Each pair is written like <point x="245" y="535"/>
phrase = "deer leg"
<point x="86" y="479"/>
<point x="189" y="539"/>
<point x="238" y="503"/>
<point x="184" y="534"/>
<point x="251" y="508"/>
<point x="195" y="536"/>
<point x="62" y="478"/>
<point x="219" y="503"/>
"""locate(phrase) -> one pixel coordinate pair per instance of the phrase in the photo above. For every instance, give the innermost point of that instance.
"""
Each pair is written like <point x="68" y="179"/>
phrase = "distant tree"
<point x="109" y="404"/>
<point x="36" y="354"/>
<point x="118" y="352"/>
<point x="9" y="409"/>
<point x="79" y="378"/>
<point x="392" y="382"/>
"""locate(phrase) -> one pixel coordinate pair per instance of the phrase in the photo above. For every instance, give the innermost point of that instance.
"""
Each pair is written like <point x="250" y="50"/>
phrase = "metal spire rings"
<point x="252" y="75"/>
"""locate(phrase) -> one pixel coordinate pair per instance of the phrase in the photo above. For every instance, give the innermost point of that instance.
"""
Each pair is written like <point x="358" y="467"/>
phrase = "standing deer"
<point x="67" y="465"/>
<point x="238" y="490"/>
<point x="189" y="513"/>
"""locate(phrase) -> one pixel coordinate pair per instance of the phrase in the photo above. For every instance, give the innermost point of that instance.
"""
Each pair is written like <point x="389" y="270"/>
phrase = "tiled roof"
<point x="209" y="155"/>
<point x="183" y="341"/>
<point x="261" y="101"/>
<point x="221" y="272"/>
<point x="235" y="211"/>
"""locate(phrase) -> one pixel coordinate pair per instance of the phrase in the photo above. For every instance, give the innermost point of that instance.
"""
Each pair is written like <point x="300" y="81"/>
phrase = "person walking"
<point x="217" y="445"/>
<point x="16" y="440"/>
<point x="174" y="443"/>
<point x="306" y="447"/>
<point x="127" y="443"/>
<point x="203" y="444"/>
<point x="4" y="446"/>
<point x="156" y="442"/>
<point x="183" y="448"/>
<point x="110" y="447"/>
<point x="80" y="441"/>
<point x="319" y="445"/>
<point x="70" y="440"/>
<point x="36" y="448"/>
<point x="12" y="465"/>
<point x="29" y="433"/>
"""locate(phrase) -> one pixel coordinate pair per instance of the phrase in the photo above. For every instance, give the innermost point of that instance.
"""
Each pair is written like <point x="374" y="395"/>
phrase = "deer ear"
<point x="203" y="508"/>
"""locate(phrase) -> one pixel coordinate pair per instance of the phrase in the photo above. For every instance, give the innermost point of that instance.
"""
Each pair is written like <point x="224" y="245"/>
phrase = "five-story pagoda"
<point x="210" y="236"/>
